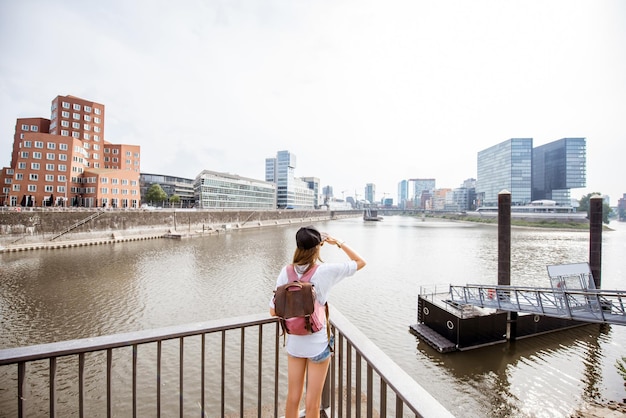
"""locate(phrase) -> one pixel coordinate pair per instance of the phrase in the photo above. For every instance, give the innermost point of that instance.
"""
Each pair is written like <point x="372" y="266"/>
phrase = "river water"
<point x="58" y="295"/>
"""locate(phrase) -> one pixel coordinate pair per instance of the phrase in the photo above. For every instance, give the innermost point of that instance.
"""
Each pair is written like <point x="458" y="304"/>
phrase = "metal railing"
<point x="593" y="305"/>
<point x="226" y="368"/>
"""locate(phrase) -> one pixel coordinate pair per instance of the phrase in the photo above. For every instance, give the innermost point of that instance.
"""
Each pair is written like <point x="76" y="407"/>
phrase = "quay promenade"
<point x="44" y="229"/>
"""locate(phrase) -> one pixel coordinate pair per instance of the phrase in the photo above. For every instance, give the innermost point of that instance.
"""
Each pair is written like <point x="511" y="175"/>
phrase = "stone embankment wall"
<point x="43" y="225"/>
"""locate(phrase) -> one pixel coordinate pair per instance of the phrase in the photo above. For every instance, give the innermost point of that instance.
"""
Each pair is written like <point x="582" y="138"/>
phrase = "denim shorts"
<point x="328" y="351"/>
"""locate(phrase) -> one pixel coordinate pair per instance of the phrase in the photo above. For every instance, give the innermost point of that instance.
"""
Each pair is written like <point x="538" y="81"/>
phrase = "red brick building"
<point x="66" y="161"/>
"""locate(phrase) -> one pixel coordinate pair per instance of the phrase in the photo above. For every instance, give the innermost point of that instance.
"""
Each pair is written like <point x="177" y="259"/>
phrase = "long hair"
<point x="304" y="257"/>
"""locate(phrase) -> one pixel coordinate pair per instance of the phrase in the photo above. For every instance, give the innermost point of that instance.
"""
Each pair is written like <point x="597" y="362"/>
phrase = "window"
<point x="8" y="181"/>
<point x="33" y="177"/>
<point x="50" y="167"/>
<point x="64" y="132"/>
<point x="86" y="145"/>
<point x="96" y="129"/>
<point x="115" y="151"/>
<point x="96" y="147"/>
<point x="34" y="166"/>
<point x="128" y="153"/>
<point x="63" y="147"/>
<point x="96" y="120"/>
<point x="96" y="110"/>
<point x="24" y="154"/>
<point x="16" y="187"/>
<point x="75" y="134"/>
<point x="37" y="155"/>
<point x="27" y="144"/>
<point x="34" y="128"/>
<point x="62" y="167"/>
<point x="24" y="127"/>
<point x="52" y="145"/>
<point x="87" y="127"/>
<point x="65" y="114"/>
<point x="66" y="105"/>
<point x="38" y="144"/>
<point x="48" y="188"/>
<point x="114" y="181"/>
<point x="76" y="106"/>
<point x="96" y="138"/>
<point x="76" y="125"/>
<point x="76" y="116"/>
<point x="21" y="166"/>
<point x="88" y="109"/>
<point x="50" y="156"/>
<point x="19" y="176"/>
<point x="104" y="190"/>
<point x="114" y="191"/>
<point x="60" y="189"/>
<point x="32" y="188"/>
<point x="65" y="124"/>
<point x="61" y="178"/>
<point x="49" y="177"/>
<point x="104" y="180"/>
<point x="87" y="118"/>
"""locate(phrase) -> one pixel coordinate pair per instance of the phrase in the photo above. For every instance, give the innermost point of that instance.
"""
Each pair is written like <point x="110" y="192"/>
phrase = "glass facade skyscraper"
<point x="291" y="192"/>
<point x="558" y="167"/>
<point x="547" y="172"/>
<point x="505" y="166"/>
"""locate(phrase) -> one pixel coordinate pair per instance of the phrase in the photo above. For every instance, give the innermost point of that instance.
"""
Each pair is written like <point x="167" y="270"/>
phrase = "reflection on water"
<point x="80" y="292"/>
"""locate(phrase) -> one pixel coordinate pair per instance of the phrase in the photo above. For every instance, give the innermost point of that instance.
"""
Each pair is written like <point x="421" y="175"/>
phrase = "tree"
<point x="155" y="194"/>
<point x="584" y="207"/>
<point x="174" y="199"/>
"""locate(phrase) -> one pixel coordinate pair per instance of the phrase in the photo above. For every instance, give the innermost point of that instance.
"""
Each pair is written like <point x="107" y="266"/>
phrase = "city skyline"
<point x="406" y="90"/>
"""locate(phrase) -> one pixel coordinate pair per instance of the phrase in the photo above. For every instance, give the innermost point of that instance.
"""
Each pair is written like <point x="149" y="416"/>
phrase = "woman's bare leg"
<point x="296" y="370"/>
<point x="315" y="384"/>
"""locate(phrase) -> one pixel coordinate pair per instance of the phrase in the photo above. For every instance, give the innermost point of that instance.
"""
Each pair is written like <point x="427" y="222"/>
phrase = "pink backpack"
<point x="295" y="303"/>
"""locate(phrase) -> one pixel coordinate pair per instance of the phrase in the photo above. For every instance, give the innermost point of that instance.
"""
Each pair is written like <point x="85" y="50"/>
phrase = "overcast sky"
<point x="361" y="91"/>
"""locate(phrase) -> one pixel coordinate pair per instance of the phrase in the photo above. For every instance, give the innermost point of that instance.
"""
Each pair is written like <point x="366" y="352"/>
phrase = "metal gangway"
<point x="572" y="295"/>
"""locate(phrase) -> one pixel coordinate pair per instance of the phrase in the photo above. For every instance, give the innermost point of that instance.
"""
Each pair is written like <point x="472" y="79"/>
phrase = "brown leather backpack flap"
<point x="294" y="299"/>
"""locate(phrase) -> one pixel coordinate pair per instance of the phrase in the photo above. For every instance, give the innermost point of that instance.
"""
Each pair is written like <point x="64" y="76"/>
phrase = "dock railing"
<point x="233" y="367"/>
<point x="593" y="305"/>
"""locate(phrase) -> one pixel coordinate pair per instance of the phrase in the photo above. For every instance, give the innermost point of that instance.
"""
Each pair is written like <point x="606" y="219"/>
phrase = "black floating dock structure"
<point x="448" y="326"/>
<point x="457" y="321"/>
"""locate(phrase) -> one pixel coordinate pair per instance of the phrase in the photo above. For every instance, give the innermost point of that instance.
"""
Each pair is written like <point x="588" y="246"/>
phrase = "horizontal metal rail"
<point x="226" y="368"/>
<point x="599" y="306"/>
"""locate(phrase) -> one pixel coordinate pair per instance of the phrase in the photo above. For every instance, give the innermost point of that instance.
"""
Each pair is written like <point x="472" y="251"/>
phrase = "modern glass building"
<point x="291" y="192"/>
<point x="370" y="192"/>
<point x="505" y="166"/>
<point x="423" y="191"/>
<point x="558" y="167"/>
<point x="182" y="187"/>
<point x="228" y="191"/>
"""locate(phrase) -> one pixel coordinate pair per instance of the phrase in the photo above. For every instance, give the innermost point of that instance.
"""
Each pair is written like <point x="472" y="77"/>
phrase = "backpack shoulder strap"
<point x="306" y="277"/>
<point x="292" y="276"/>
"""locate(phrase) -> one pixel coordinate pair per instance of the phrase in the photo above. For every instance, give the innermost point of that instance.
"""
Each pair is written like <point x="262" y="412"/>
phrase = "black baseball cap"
<point x="308" y="237"/>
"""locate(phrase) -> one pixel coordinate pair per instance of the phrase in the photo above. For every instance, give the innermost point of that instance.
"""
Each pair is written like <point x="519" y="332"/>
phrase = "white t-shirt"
<point x="325" y="277"/>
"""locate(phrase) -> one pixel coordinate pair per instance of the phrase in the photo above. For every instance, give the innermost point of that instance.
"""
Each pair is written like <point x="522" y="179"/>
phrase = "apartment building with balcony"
<point x="66" y="161"/>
